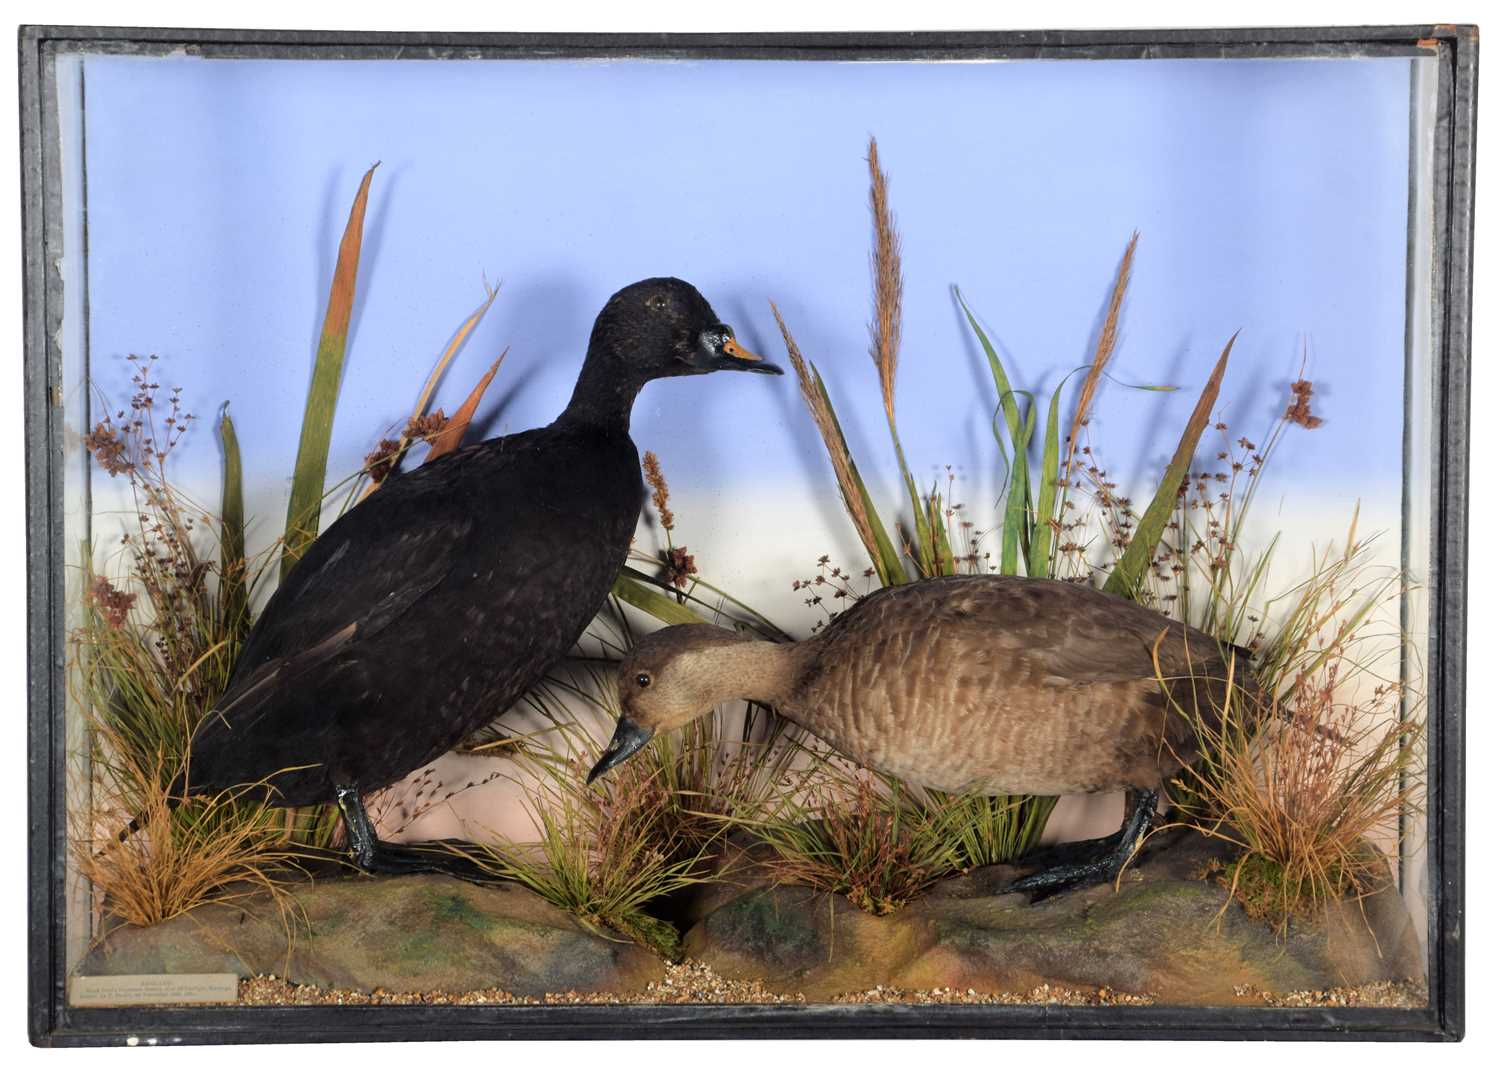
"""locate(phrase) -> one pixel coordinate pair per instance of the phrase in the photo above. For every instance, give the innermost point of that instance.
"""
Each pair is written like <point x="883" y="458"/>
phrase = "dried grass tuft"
<point x="1310" y="775"/>
<point x="871" y="838"/>
<point x="177" y="856"/>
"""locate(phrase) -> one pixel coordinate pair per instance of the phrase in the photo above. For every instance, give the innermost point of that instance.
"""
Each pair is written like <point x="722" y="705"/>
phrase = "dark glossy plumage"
<point x="432" y="606"/>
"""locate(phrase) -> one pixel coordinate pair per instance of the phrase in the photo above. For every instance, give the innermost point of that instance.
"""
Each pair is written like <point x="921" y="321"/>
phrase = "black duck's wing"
<point x="364" y="572"/>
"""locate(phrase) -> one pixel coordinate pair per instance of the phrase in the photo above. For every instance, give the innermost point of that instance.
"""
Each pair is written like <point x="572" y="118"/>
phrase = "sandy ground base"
<point x="694" y="982"/>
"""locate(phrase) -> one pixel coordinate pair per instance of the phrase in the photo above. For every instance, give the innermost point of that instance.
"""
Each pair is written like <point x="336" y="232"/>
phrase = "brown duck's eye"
<point x="643" y="680"/>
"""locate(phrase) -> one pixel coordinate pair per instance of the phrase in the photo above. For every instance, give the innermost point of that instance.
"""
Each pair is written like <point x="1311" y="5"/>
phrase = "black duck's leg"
<point x="358" y="829"/>
<point x="385" y="858"/>
<point x="1102" y="866"/>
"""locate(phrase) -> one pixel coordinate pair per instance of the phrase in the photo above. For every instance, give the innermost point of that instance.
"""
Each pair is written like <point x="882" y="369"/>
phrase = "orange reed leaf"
<point x="454" y="346"/>
<point x="453" y="432"/>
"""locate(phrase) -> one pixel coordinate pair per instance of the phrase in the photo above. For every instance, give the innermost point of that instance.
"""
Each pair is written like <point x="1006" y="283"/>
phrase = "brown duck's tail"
<point x="1244" y="660"/>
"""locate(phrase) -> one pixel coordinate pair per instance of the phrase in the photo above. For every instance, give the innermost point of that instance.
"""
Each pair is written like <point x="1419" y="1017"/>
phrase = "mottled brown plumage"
<point x="995" y="684"/>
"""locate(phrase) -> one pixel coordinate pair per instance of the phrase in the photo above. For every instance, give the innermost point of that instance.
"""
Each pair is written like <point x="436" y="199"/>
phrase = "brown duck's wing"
<point x="1065" y="632"/>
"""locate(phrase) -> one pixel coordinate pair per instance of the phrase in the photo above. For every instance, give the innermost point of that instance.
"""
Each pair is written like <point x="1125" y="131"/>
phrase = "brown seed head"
<point x="379" y="462"/>
<point x="660" y="493"/>
<point x="680" y="567"/>
<point x="425" y="426"/>
<point x="1300" y="412"/>
<point x="113" y="604"/>
<point x="108" y="449"/>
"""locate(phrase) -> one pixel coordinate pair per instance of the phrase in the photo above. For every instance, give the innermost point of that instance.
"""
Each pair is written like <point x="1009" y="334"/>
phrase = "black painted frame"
<point x="51" y="1022"/>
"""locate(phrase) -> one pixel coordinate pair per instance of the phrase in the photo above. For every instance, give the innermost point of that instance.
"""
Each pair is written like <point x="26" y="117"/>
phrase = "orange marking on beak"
<point x="734" y="350"/>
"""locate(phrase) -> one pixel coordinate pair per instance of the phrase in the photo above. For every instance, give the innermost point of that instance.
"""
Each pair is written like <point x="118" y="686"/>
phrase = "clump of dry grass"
<point x="1307" y="775"/>
<point x="878" y="840"/>
<point x="614" y="852"/>
<point x="177" y="855"/>
<point x="606" y="851"/>
<point x="871" y="838"/>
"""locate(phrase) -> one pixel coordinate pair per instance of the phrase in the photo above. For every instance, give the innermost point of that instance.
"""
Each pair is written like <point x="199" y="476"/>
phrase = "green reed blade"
<point x="1015" y="535"/>
<point x="306" y="503"/>
<point x="232" y="567"/>
<point x="656" y="604"/>
<point x="1044" y="536"/>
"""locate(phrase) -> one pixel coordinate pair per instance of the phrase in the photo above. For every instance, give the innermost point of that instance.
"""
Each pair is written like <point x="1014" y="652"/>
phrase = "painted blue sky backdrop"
<point x="1271" y="197"/>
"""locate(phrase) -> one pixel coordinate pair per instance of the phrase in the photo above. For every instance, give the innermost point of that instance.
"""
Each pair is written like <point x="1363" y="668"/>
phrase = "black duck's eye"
<point x="643" y="680"/>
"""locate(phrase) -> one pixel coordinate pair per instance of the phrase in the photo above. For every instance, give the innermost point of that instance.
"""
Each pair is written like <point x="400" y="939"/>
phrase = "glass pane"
<point x="1080" y="242"/>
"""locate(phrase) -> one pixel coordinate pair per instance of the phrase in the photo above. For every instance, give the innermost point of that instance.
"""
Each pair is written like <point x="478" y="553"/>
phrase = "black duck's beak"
<point x="719" y="349"/>
<point x="628" y="740"/>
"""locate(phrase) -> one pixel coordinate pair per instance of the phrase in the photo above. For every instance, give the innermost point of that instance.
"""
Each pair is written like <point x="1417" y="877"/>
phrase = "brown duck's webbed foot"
<point x="369" y="854"/>
<point x="1103" y="859"/>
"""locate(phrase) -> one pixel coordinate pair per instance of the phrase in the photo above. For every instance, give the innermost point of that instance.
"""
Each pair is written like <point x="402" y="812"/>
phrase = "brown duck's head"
<point x="668" y="680"/>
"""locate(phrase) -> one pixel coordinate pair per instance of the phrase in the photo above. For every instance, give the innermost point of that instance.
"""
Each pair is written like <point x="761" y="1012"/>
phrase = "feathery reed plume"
<point x="885" y="271"/>
<point x="885" y="346"/>
<point x="660" y="493"/>
<point x="1103" y="351"/>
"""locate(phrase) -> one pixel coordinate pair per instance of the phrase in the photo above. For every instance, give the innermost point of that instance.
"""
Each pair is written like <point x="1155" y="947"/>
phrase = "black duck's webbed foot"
<point x="375" y="857"/>
<point x="1108" y="858"/>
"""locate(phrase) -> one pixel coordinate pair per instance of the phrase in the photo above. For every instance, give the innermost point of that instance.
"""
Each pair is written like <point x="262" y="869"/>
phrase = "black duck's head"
<point x="664" y="327"/>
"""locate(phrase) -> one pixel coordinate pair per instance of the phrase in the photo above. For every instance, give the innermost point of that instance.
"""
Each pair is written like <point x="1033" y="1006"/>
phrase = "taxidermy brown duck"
<point x="436" y="603"/>
<point x="977" y="683"/>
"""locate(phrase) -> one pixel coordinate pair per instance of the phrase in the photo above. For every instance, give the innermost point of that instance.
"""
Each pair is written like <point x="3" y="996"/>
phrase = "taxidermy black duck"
<point x="431" y="607"/>
<point x="965" y="684"/>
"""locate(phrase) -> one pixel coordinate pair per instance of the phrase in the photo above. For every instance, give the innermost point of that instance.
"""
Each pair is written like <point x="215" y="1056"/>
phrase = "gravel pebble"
<point x="1041" y="995"/>
<point x="1395" y="993"/>
<point x="694" y="982"/>
<point x="688" y="982"/>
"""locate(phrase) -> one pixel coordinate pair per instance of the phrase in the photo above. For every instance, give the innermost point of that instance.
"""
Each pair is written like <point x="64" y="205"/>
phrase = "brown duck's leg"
<point x="388" y="858"/>
<point x="1106" y="861"/>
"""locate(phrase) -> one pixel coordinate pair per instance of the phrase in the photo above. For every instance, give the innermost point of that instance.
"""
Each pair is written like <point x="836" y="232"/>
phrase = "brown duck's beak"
<point x="628" y="740"/>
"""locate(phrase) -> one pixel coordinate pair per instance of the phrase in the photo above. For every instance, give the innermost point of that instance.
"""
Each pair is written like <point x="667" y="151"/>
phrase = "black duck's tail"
<point x="175" y="794"/>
